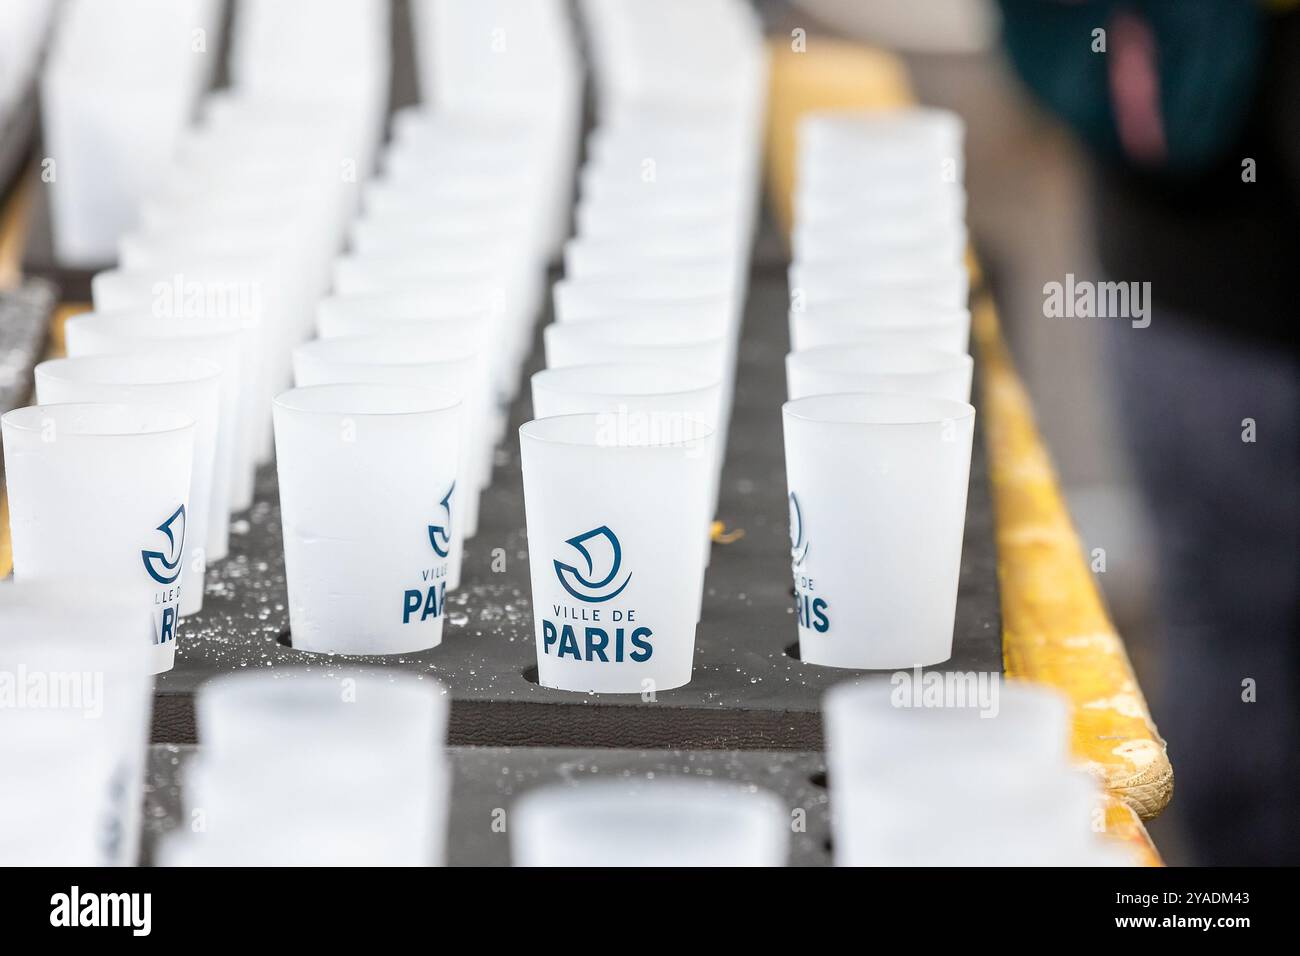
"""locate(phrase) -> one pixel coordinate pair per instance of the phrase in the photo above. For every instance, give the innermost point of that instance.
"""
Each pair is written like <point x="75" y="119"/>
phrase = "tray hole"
<point x="818" y="779"/>
<point x="793" y="651"/>
<point x="530" y="674"/>
<point x="828" y="846"/>
<point x="284" y="639"/>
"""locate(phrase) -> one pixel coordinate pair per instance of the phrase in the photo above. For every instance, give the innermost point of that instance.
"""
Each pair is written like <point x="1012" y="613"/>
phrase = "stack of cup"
<point x="649" y="823"/>
<point x="119" y="85"/>
<point x="303" y="769"/>
<point x="74" y="724"/>
<point x="977" y="778"/>
<point x="622" y="464"/>
<point x="878" y="429"/>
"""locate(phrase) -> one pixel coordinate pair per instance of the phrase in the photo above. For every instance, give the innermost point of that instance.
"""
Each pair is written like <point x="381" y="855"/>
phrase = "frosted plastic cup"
<point x="289" y="711"/>
<point x="233" y="281"/>
<point x="645" y="397"/>
<point x="590" y="257"/>
<point x="677" y="342"/>
<point x="614" y="517"/>
<point x="914" y="138"/>
<point x="647" y="339"/>
<point x="98" y="496"/>
<point x="877" y="324"/>
<point x="709" y="291"/>
<point x="220" y="341"/>
<point x="367" y="480"/>
<point x="875" y="368"/>
<point x="89" y="727"/>
<point x="816" y="283"/>
<point x="723" y="218"/>
<point x="512" y="301"/>
<point x="837" y="206"/>
<point x="871" y="721"/>
<point x="877" y="240"/>
<point x="192" y="387"/>
<point x="706" y="230"/>
<point x="877" y="495"/>
<point x="404" y="359"/>
<point x="649" y="823"/>
<point x="442" y="312"/>
<point x="964" y="809"/>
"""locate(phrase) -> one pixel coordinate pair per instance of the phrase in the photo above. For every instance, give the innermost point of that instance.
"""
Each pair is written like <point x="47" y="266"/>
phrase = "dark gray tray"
<point x="487" y="779"/>
<point x="747" y="692"/>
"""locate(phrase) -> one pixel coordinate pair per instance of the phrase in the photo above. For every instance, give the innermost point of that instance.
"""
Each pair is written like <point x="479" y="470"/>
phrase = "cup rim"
<point x="414" y="356"/>
<point x="426" y="399"/>
<point x="200" y="369"/>
<point x="942" y="360"/>
<point x="29" y="418"/>
<point x="803" y="410"/>
<point x="533" y="429"/>
<point x="644" y="318"/>
<point x="542" y="378"/>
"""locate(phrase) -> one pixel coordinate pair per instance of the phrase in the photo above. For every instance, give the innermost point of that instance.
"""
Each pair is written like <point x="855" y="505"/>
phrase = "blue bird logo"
<point x="798" y="539"/>
<point x="440" y="534"/>
<point x="583" y="586"/>
<point x="165" y="568"/>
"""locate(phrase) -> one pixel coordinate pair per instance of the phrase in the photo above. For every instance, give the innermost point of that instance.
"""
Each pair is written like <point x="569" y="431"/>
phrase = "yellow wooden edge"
<point x="1055" y="627"/>
<point x="13" y="233"/>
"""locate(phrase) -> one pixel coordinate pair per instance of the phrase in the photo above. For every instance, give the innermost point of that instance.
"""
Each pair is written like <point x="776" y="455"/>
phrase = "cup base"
<point x="815" y="656"/>
<point x="162" y="657"/>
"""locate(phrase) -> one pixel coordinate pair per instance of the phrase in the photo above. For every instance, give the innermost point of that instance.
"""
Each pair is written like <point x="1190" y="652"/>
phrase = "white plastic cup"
<point x="98" y="496"/>
<point x="363" y="709"/>
<point x="868" y="368"/>
<point x="367" y="477"/>
<point x="877" y="493"/>
<point x="867" y="722"/>
<point x="814" y="284"/>
<point x="881" y="323"/>
<point x="405" y="359"/>
<point x="614" y="521"/>
<point x="642" y="340"/>
<point x="75" y="752"/>
<point x="441" y="312"/>
<point x="649" y="823"/>
<point x="214" y="292"/>
<point x="220" y="341"/>
<point x="191" y="386"/>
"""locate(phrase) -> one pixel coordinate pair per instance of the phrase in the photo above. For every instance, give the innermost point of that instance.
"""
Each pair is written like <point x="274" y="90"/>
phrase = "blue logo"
<point x="584" y="588"/>
<point x="798" y="534"/>
<point x="440" y="534"/>
<point x="165" y="568"/>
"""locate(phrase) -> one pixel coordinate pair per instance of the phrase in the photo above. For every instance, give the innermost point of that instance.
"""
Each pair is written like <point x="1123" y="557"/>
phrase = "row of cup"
<point x="145" y="440"/>
<point x="299" y="768"/>
<point x="878" y="426"/>
<point x="419" y="352"/>
<point x="621" y="463"/>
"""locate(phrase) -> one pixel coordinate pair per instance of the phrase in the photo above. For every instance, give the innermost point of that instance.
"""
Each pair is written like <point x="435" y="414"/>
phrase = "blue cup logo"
<point x="813" y="610"/>
<point x="427" y="601"/>
<point x="440" y="534"/>
<point x="593" y="630"/>
<point x="599" y="549"/>
<point x="165" y="566"/>
<point x="798" y="536"/>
